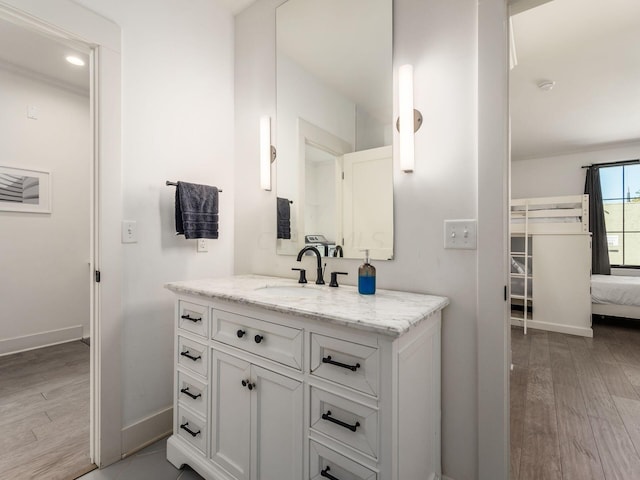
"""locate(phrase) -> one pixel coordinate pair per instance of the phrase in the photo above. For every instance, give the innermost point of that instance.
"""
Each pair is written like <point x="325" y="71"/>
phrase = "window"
<point x="621" y="198"/>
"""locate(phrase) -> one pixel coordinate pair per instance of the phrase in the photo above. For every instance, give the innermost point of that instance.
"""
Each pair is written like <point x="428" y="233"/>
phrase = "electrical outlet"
<point x="129" y="231"/>
<point x="460" y="234"/>
<point x="202" y="245"/>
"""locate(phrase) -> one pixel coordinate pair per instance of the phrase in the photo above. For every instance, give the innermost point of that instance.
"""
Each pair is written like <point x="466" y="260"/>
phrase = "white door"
<point x="368" y="203"/>
<point x="231" y="402"/>
<point x="277" y="427"/>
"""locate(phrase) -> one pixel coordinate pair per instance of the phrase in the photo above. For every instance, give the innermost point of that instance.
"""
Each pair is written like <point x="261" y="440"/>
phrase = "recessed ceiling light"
<point x="546" y="85"/>
<point x="73" y="60"/>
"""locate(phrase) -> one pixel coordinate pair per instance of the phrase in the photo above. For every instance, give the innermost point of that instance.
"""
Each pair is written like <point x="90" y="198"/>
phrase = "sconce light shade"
<point x="265" y="152"/>
<point x="406" y="118"/>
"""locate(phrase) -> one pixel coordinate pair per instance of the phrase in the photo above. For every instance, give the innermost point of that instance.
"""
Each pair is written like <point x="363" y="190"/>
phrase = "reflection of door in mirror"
<point x="368" y="203"/>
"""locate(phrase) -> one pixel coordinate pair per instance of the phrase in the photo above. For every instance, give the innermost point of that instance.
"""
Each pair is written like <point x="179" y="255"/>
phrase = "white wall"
<point x="44" y="260"/>
<point x="177" y="121"/>
<point x="563" y="174"/>
<point x="440" y="39"/>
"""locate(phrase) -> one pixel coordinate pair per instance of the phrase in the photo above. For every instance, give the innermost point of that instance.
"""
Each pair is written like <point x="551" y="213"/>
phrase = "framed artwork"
<point x="24" y="190"/>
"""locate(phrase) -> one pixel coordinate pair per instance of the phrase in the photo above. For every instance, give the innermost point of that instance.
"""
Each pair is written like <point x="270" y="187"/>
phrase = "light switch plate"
<point x="461" y="234"/>
<point x="129" y="231"/>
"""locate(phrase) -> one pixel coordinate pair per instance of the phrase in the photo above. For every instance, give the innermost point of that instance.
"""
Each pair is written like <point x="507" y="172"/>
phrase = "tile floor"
<point x="148" y="464"/>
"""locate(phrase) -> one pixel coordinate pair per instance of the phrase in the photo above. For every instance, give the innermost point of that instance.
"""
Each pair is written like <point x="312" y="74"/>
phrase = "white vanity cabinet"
<point x="277" y="389"/>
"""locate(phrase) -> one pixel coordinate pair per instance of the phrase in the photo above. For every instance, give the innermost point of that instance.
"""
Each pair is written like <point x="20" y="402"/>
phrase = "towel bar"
<point x="174" y="184"/>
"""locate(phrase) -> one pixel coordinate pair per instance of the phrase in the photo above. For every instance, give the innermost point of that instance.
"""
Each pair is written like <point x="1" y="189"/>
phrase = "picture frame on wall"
<point x="25" y="190"/>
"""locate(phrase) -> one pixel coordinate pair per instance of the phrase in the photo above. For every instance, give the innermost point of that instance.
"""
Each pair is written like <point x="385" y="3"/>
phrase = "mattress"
<point x="615" y="289"/>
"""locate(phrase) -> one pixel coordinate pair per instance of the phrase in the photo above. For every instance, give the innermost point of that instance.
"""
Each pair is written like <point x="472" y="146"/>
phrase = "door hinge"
<point x="343" y="175"/>
<point x="97" y="276"/>
<point x="505" y="293"/>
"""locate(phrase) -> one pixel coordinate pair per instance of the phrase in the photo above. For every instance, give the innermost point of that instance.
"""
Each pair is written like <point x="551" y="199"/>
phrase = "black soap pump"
<point x="366" y="277"/>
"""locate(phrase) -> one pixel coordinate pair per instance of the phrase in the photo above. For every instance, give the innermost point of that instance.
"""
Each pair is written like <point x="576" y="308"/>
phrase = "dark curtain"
<point x="599" y="249"/>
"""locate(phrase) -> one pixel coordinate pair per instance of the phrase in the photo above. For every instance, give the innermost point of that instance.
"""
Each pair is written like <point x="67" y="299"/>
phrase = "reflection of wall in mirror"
<point x="371" y="132"/>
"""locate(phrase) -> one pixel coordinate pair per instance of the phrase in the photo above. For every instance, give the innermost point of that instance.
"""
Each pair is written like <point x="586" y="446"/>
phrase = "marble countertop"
<point x="388" y="312"/>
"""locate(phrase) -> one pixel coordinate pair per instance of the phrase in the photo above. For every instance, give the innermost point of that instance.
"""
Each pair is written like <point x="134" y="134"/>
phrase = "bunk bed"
<point x="550" y="258"/>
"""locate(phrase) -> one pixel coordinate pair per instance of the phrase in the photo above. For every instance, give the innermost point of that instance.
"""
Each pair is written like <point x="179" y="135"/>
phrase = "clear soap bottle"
<point x="366" y="277"/>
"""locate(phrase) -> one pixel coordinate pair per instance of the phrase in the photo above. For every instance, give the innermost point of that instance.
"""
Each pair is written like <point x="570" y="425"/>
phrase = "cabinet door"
<point x="277" y="436"/>
<point x="230" y="413"/>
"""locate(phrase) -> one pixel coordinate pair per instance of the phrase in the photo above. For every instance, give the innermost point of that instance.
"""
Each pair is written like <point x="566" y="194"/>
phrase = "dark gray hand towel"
<point x="284" y="218"/>
<point x="196" y="210"/>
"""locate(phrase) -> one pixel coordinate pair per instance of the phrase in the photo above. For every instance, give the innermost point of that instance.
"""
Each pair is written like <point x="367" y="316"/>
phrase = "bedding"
<point x="615" y="289"/>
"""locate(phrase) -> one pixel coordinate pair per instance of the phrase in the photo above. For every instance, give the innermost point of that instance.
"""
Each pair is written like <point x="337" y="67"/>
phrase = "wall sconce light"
<point x="267" y="152"/>
<point x="409" y="120"/>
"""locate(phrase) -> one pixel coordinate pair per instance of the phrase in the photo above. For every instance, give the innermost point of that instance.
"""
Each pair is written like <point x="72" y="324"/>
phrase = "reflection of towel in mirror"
<point x="284" y="218"/>
<point x="196" y="210"/>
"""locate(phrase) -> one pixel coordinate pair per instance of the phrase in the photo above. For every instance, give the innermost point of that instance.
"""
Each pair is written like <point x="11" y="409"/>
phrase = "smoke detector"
<point x="546" y="85"/>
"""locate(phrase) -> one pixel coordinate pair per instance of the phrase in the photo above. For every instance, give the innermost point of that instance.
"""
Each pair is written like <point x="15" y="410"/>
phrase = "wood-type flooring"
<point x="44" y="413"/>
<point x="575" y="404"/>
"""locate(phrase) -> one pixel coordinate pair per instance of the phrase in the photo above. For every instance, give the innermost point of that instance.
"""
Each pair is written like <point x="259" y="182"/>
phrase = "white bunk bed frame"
<point x="614" y="310"/>
<point x="551" y="212"/>
<point x="564" y="215"/>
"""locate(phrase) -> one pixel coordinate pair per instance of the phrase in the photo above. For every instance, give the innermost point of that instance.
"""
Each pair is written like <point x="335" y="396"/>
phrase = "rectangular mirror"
<point x="334" y="127"/>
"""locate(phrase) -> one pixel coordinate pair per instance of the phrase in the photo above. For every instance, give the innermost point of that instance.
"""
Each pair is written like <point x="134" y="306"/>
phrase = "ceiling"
<point x="591" y="49"/>
<point x="36" y="55"/>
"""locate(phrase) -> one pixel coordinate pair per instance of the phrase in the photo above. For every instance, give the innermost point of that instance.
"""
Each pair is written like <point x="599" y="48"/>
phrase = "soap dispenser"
<point x="366" y="277"/>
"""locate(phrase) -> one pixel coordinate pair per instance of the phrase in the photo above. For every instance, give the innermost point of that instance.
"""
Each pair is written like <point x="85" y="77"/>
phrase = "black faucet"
<point x="338" y="251"/>
<point x="319" y="279"/>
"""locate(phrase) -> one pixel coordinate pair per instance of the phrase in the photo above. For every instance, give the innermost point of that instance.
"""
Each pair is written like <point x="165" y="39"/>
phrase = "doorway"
<point x="46" y="210"/>
<point x="574" y="401"/>
<point x="70" y="21"/>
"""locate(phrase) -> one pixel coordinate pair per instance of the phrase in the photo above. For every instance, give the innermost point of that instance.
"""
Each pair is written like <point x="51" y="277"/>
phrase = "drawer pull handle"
<point x="188" y="317"/>
<point x="240" y="333"/>
<point x="353" y="368"/>
<point x="188" y="430"/>
<point x="325" y="473"/>
<point x="327" y="416"/>
<point x="186" y="354"/>
<point x="258" y="338"/>
<point x="248" y="384"/>
<point x="189" y="394"/>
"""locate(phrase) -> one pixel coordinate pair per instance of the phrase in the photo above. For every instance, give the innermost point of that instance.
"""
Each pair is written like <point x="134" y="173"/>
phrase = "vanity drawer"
<point x="193" y="429"/>
<point x="351" y="423"/>
<point x="323" y="459"/>
<point x="275" y="342"/>
<point x="348" y="363"/>
<point x="193" y="317"/>
<point x="192" y="393"/>
<point x="192" y="355"/>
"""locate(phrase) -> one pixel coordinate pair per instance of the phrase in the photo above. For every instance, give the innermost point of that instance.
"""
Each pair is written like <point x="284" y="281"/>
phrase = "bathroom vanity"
<point x="275" y="380"/>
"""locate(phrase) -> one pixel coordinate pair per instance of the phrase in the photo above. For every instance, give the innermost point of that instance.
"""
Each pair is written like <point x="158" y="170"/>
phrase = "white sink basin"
<point x="302" y="290"/>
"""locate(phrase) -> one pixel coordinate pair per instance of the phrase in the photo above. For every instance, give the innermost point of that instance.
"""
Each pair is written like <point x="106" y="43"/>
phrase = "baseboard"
<point x="554" y="327"/>
<point x="38" y="340"/>
<point x="143" y="433"/>
<point x="444" y="477"/>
